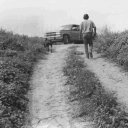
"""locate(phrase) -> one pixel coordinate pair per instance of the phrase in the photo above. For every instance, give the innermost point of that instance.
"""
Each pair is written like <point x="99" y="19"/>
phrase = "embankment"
<point x="18" y="54"/>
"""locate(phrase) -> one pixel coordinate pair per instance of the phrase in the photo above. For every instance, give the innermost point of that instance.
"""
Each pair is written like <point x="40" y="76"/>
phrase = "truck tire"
<point x="66" y="39"/>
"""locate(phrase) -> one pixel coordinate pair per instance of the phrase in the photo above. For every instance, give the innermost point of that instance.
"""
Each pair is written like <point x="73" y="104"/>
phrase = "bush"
<point x="18" y="55"/>
<point x="114" y="46"/>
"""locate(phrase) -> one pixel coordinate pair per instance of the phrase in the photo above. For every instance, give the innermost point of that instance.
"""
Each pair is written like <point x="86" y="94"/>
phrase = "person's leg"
<point x="91" y="48"/>
<point x="48" y="47"/>
<point x="86" y="50"/>
<point x="86" y="46"/>
<point x="51" y="47"/>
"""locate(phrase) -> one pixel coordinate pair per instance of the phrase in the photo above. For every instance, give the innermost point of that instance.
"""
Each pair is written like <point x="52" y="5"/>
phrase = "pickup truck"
<point x="66" y="34"/>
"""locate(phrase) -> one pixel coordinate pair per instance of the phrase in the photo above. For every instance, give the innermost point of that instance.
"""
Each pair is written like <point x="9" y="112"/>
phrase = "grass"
<point x="94" y="102"/>
<point x="18" y="54"/>
<point x="114" y="46"/>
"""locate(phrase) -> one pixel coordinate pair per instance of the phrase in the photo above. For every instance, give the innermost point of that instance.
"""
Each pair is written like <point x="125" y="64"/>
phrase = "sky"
<point x="35" y="17"/>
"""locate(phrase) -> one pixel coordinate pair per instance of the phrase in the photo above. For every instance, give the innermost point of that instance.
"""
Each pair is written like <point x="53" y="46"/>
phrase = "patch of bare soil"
<point x="48" y="108"/>
<point x="110" y="75"/>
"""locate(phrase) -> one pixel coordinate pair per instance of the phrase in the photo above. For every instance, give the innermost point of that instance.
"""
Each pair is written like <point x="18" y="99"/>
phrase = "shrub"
<point x="18" y="55"/>
<point x="114" y="46"/>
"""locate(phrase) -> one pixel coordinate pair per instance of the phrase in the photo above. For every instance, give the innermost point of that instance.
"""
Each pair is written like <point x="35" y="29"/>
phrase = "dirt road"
<point x="48" y="106"/>
<point x="110" y="75"/>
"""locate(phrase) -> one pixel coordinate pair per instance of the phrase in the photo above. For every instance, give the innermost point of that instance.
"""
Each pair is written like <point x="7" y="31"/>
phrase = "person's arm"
<point x="94" y="31"/>
<point x="94" y="28"/>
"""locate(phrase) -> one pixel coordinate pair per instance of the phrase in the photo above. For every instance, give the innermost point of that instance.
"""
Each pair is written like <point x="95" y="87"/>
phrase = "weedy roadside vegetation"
<point x="18" y="54"/>
<point x="94" y="102"/>
<point x="113" y="46"/>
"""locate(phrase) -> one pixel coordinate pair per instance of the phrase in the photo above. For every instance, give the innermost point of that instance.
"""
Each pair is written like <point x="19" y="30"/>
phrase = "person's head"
<point x="86" y="17"/>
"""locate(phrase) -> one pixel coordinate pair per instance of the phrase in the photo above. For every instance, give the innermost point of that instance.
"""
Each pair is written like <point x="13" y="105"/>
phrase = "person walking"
<point x="87" y="33"/>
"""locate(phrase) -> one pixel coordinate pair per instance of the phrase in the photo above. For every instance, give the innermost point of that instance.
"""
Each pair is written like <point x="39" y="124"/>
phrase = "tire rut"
<point x="110" y="75"/>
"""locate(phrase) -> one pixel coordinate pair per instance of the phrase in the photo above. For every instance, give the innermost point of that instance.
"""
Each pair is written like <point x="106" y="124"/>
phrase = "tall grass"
<point x="114" y="46"/>
<point x="18" y="54"/>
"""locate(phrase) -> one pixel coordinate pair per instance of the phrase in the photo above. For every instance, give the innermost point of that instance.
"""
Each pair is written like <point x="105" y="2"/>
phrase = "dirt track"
<point x="48" y="100"/>
<point x="111" y="76"/>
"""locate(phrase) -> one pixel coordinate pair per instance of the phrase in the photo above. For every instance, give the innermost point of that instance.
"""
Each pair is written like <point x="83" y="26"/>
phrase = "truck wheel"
<point x="66" y="39"/>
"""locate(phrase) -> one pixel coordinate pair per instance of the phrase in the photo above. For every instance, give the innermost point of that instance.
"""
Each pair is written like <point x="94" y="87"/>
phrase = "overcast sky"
<point x="34" y="17"/>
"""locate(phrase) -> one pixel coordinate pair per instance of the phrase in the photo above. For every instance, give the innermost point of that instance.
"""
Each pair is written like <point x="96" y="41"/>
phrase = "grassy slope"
<point x="93" y="100"/>
<point x="18" y="54"/>
<point x="114" y="46"/>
